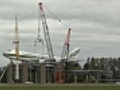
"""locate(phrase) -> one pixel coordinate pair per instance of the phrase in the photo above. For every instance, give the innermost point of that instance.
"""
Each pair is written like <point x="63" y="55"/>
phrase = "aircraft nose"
<point x="4" y="54"/>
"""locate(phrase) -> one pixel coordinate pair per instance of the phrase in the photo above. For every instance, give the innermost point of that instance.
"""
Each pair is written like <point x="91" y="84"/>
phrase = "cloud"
<point x="94" y="23"/>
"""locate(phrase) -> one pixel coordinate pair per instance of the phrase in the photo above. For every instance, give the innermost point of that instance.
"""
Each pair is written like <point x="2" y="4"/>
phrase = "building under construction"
<point x="52" y="72"/>
<point x="42" y="74"/>
<point x="27" y="73"/>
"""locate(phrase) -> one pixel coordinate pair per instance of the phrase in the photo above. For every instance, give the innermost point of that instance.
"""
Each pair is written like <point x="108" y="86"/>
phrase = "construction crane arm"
<point x="46" y="33"/>
<point x="65" y="49"/>
<point x="16" y="42"/>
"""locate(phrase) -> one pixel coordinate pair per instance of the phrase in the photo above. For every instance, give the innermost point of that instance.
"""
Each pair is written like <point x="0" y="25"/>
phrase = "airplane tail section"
<point x="74" y="53"/>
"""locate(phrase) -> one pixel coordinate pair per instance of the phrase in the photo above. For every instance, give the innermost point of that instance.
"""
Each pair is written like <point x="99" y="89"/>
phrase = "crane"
<point x="65" y="49"/>
<point x="39" y="38"/>
<point x="46" y="34"/>
<point x="16" y="42"/>
<point x="65" y="52"/>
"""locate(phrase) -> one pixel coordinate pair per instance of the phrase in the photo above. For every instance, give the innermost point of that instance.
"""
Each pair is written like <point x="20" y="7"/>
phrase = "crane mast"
<point x="46" y="33"/>
<point x="65" y="53"/>
<point x="16" y="42"/>
<point x="16" y="38"/>
<point x="65" y="49"/>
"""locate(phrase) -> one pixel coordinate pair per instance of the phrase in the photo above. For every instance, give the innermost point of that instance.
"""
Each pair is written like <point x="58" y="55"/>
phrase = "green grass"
<point x="59" y="87"/>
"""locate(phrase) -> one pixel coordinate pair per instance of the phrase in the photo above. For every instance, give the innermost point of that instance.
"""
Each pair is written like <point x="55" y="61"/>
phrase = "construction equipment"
<point x="46" y="34"/>
<point x="65" y="53"/>
<point x="65" y="49"/>
<point x="39" y="38"/>
<point x="16" y="42"/>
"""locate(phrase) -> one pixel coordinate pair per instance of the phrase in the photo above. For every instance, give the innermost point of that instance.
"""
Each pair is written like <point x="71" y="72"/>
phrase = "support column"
<point x="24" y="72"/>
<point x="10" y="73"/>
<point x="36" y="77"/>
<point x="55" y="75"/>
<point x="43" y="73"/>
<point x="87" y="78"/>
<point x="75" y="78"/>
<point x="97" y="78"/>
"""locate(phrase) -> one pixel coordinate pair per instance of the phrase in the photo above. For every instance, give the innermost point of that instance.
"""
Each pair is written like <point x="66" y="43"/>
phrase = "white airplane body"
<point x="30" y="57"/>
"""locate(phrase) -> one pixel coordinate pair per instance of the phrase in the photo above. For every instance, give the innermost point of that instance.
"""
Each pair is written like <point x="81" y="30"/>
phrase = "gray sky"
<point x="95" y="26"/>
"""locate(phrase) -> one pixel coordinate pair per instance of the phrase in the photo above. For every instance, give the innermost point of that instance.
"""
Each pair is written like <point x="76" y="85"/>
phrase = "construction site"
<point x="49" y="70"/>
<point x="35" y="72"/>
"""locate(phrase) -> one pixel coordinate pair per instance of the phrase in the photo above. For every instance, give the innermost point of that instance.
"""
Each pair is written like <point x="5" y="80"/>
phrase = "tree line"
<point x="106" y="64"/>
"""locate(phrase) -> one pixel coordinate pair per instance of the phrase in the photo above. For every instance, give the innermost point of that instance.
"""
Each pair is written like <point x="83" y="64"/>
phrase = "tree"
<point x="74" y="66"/>
<point x="86" y="66"/>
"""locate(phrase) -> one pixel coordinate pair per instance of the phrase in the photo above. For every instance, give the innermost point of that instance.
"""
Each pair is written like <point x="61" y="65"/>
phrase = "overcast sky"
<point x="95" y="26"/>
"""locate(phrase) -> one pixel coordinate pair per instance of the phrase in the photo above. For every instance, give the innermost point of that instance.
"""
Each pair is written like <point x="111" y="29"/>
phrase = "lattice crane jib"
<point x="16" y="42"/>
<point x="65" y="49"/>
<point x="46" y="33"/>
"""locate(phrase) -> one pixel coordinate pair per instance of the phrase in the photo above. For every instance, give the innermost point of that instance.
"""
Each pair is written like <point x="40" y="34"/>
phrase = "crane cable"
<point x="39" y="38"/>
<point x="57" y="17"/>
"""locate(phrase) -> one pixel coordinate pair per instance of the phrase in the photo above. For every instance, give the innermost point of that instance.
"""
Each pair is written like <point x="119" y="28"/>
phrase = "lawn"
<point x="37" y="87"/>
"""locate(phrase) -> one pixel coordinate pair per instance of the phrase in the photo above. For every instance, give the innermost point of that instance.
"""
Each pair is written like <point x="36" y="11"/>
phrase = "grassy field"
<point x="37" y="87"/>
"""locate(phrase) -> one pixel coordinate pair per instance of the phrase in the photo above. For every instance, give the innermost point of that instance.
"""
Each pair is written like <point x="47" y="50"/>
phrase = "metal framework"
<point x="65" y="49"/>
<point x="16" y="42"/>
<point x="46" y="33"/>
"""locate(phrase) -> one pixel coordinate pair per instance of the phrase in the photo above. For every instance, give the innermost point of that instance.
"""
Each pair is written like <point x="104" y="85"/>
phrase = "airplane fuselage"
<point x="30" y="57"/>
